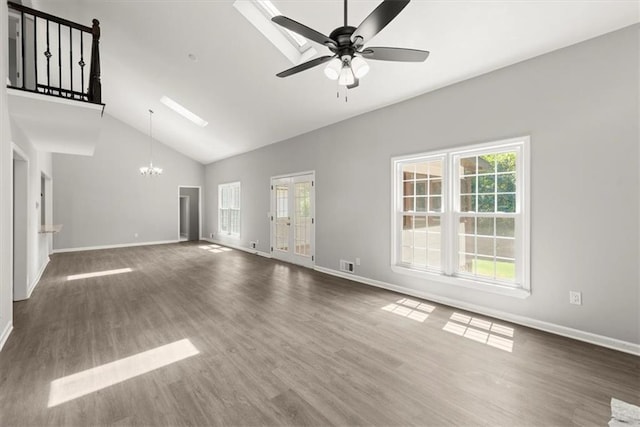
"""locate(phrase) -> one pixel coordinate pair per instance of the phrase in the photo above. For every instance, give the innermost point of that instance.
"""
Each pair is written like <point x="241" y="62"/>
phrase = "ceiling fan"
<point x="347" y="45"/>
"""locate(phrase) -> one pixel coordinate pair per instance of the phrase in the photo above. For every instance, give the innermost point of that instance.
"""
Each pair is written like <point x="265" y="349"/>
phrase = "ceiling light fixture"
<point x="183" y="111"/>
<point x="150" y="170"/>
<point x="347" y="45"/>
<point x="347" y="70"/>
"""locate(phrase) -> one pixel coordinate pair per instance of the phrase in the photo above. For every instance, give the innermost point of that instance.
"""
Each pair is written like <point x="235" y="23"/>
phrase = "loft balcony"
<point x="53" y="56"/>
<point x="53" y="81"/>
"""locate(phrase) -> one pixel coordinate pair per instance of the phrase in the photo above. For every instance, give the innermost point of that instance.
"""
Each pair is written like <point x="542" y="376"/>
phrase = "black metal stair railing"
<point x="52" y="53"/>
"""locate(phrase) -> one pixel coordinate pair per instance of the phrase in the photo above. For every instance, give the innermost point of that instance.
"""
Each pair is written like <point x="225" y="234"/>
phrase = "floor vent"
<point x="346" y="266"/>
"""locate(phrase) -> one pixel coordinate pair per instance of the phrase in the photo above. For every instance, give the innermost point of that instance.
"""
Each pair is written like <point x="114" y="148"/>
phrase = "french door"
<point x="293" y="218"/>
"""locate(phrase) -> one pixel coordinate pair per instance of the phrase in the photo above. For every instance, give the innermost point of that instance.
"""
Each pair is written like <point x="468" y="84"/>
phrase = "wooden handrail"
<point x="52" y="18"/>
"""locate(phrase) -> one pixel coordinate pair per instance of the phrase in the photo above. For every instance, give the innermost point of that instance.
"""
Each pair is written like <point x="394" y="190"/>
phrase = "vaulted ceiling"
<point x="145" y="50"/>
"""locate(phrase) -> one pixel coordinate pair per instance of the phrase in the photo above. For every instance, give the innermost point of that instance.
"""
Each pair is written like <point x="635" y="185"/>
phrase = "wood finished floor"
<point x="283" y="345"/>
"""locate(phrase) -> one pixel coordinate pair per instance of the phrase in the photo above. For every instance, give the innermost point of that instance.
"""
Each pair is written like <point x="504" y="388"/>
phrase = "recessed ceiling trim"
<point x="259" y="14"/>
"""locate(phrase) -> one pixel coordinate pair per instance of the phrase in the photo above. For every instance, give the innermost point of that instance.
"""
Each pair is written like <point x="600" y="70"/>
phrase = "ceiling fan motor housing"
<point x="342" y="37"/>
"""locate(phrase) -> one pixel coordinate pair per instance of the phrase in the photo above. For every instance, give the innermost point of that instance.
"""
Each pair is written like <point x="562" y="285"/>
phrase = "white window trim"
<point x="523" y="177"/>
<point x="220" y="188"/>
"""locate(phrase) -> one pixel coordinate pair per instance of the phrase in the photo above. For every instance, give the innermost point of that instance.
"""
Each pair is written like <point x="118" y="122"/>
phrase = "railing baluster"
<point x="48" y="55"/>
<point x="81" y="63"/>
<point x="71" y="60"/>
<point x="22" y="37"/>
<point x="59" y="61"/>
<point x="35" y="52"/>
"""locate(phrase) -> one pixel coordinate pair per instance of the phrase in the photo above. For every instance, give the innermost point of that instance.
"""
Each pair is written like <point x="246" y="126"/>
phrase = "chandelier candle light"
<point x="150" y="170"/>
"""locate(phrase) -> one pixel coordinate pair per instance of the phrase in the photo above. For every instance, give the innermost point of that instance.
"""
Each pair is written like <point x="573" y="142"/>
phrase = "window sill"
<point x="463" y="282"/>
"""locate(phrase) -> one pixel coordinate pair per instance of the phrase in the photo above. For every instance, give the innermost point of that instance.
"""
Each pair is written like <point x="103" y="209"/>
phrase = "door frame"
<point x="291" y="258"/>
<point x="199" y="187"/>
<point x="19" y="54"/>
<point x="21" y="291"/>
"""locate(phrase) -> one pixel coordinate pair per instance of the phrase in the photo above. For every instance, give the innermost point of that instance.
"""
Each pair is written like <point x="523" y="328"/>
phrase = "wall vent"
<point x="346" y="266"/>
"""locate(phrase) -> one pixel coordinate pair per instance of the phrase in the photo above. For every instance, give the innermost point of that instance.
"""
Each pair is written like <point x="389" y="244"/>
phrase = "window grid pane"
<point x="229" y="214"/>
<point x="485" y="199"/>
<point x="421" y="197"/>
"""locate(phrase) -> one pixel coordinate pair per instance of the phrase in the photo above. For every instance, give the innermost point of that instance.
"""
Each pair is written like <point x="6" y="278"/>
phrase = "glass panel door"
<point x="292" y="228"/>
<point x="303" y="218"/>
<point x="282" y="219"/>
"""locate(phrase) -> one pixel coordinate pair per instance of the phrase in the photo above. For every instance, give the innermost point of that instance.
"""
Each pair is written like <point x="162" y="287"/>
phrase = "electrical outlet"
<point x="346" y="266"/>
<point x="211" y="235"/>
<point x="575" y="297"/>
<point x="253" y="245"/>
<point x="357" y="261"/>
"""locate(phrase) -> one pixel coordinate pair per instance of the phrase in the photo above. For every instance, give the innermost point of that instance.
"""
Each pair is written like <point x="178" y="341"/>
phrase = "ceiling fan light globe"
<point x="346" y="76"/>
<point x="359" y="66"/>
<point x="332" y="70"/>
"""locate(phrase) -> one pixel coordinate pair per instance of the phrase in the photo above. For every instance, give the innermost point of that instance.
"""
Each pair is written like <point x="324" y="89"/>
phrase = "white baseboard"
<point x="240" y="248"/>
<point x="122" y="245"/>
<point x="5" y="334"/>
<point x="36" y="280"/>
<point x="600" y="340"/>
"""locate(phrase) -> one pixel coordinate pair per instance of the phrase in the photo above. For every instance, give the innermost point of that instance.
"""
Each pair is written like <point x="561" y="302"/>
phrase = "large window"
<point x="461" y="216"/>
<point x="229" y="209"/>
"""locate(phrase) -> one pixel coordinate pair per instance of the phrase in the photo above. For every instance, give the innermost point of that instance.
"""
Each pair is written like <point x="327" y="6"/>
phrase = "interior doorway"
<point x="20" y="223"/>
<point x="15" y="49"/>
<point x="189" y="206"/>
<point x="184" y="218"/>
<point x="293" y="218"/>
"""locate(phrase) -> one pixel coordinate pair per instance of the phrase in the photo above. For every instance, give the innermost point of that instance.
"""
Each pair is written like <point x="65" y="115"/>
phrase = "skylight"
<point x="272" y="11"/>
<point x="183" y="111"/>
<point x="259" y="14"/>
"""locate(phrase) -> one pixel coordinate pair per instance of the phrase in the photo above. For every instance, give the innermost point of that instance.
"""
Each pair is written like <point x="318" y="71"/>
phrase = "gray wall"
<point x="580" y="107"/>
<point x="194" y="212"/>
<point x="103" y="199"/>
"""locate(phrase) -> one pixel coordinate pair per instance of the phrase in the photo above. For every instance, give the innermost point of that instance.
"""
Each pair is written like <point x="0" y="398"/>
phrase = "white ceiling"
<point x="145" y="47"/>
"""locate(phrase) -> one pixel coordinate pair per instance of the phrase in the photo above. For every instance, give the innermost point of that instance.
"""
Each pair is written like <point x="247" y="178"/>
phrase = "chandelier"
<point x="150" y="170"/>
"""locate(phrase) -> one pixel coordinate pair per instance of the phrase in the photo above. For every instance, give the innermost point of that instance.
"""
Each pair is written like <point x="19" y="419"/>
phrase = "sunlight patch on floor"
<point x="82" y="383"/>
<point x="480" y="330"/>
<point x="411" y="309"/>
<point x="98" y="274"/>
<point x="216" y="249"/>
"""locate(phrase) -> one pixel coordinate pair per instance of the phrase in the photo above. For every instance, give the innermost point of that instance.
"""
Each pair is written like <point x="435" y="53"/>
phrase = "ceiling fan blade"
<point x="355" y="84"/>
<point x="303" y="30"/>
<point x="378" y="19"/>
<point x="305" y="66"/>
<point x="394" y="54"/>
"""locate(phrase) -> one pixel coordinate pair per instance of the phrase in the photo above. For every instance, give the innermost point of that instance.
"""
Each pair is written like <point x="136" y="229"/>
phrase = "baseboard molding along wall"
<point x="123" y="245"/>
<point x="5" y="334"/>
<point x="36" y="280"/>
<point x="600" y="340"/>
<point x="240" y="248"/>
